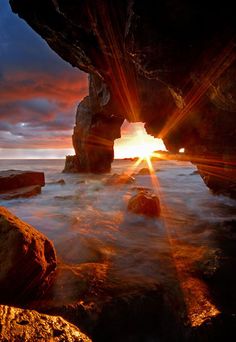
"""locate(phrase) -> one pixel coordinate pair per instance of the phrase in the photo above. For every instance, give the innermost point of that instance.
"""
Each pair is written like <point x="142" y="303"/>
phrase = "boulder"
<point x="14" y="179"/>
<point x="28" y="325"/>
<point x="27" y="191"/>
<point x="145" y="203"/>
<point x="117" y="179"/>
<point x="27" y="260"/>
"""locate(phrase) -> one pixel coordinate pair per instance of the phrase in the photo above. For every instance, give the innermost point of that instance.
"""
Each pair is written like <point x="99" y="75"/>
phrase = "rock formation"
<point x="14" y="179"/>
<point x="27" y="260"/>
<point x="17" y="183"/>
<point x="119" y="179"/>
<point x="27" y="325"/>
<point x="170" y="64"/>
<point x="145" y="203"/>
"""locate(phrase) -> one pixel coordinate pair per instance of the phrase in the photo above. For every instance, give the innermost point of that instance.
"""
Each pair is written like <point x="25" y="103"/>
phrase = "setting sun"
<point x="135" y="142"/>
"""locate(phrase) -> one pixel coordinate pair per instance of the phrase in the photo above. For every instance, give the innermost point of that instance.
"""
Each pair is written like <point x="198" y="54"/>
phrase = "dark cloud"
<point x="39" y="92"/>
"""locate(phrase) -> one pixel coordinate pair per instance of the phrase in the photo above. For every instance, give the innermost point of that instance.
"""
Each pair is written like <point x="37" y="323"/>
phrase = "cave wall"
<point x="170" y="64"/>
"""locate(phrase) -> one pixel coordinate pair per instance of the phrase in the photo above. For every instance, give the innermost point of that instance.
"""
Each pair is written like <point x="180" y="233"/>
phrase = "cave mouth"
<point x="135" y="142"/>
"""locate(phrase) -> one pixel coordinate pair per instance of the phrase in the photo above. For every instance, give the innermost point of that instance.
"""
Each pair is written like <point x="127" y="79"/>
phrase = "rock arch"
<point x="170" y="64"/>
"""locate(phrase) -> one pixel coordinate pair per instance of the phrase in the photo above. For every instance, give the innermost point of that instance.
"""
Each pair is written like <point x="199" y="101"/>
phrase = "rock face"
<point x="94" y="132"/>
<point x="27" y="260"/>
<point x="27" y="191"/>
<point x="14" y="179"/>
<point x="26" y="325"/>
<point x="145" y="203"/>
<point x="117" y="179"/>
<point x="170" y="64"/>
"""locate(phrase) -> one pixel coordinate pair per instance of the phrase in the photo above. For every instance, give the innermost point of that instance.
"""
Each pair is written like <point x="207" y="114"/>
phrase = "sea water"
<point x="88" y="221"/>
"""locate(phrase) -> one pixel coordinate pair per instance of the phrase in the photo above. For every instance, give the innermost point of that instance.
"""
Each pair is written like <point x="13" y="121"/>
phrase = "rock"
<point x="14" y="179"/>
<point x="82" y="181"/>
<point x="27" y="191"/>
<point x="60" y="181"/>
<point x="95" y="131"/>
<point x="196" y="172"/>
<point x="152" y="70"/>
<point x="28" y="325"/>
<point x="72" y="164"/>
<point x="144" y="171"/>
<point x="220" y="178"/>
<point x="109" y="310"/>
<point x="117" y="179"/>
<point x="145" y="203"/>
<point x="141" y="188"/>
<point x="27" y="260"/>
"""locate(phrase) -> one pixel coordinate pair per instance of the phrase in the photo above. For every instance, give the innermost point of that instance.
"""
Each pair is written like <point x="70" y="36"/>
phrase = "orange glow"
<point x="194" y="292"/>
<point x="135" y="142"/>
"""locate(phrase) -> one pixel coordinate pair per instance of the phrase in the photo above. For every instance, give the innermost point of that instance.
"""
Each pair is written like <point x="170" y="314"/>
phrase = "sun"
<point x="144" y="146"/>
<point x="135" y="142"/>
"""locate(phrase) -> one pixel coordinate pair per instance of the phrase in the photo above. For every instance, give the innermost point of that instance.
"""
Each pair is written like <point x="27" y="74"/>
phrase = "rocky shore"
<point x="17" y="183"/>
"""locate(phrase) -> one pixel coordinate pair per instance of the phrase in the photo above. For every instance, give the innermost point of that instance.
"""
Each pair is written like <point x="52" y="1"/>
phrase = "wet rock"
<point x="109" y="311"/>
<point x="60" y="181"/>
<point x="14" y="179"/>
<point x="219" y="178"/>
<point x="141" y="188"/>
<point x="27" y="191"/>
<point x="144" y="171"/>
<point x="72" y="164"/>
<point x="28" y="325"/>
<point x="145" y="203"/>
<point x="117" y="179"/>
<point x="196" y="172"/>
<point x="27" y="260"/>
<point x="81" y="182"/>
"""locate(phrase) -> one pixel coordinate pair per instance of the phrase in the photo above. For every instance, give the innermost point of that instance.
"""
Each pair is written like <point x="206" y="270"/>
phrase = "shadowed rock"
<point x="145" y="203"/>
<point x="14" y="179"/>
<point x="60" y="181"/>
<point x="28" y="325"/>
<point x="27" y="191"/>
<point x="27" y="260"/>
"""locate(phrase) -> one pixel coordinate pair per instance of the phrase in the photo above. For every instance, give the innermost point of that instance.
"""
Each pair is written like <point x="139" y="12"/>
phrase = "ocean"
<point x="88" y="221"/>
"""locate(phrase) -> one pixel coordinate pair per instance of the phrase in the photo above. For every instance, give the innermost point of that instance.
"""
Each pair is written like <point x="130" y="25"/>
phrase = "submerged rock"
<point x="145" y="203"/>
<point x="195" y="172"/>
<point x="60" y="181"/>
<point x="27" y="260"/>
<point x="117" y="179"/>
<point x="28" y="325"/>
<point x="27" y="191"/>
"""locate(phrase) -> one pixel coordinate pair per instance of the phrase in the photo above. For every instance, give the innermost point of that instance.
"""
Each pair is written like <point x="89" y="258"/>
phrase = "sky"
<point x="39" y="93"/>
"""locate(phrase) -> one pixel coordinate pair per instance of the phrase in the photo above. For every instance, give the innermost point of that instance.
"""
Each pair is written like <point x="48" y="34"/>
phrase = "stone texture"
<point x="117" y="179"/>
<point x="27" y="260"/>
<point x="145" y="203"/>
<point x="14" y="179"/>
<point x="168" y="64"/>
<point x="27" y="191"/>
<point x="28" y="325"/>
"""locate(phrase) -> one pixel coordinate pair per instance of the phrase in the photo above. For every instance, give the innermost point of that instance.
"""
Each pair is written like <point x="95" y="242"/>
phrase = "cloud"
<point x="39" y="91"/>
